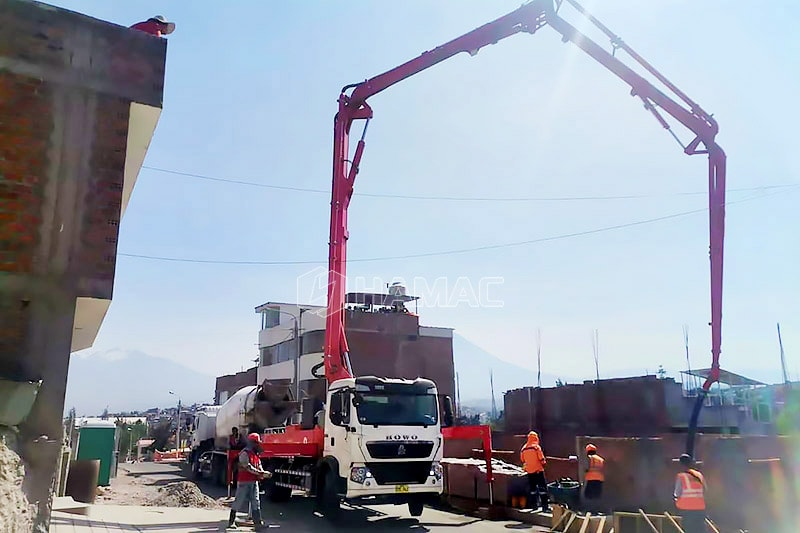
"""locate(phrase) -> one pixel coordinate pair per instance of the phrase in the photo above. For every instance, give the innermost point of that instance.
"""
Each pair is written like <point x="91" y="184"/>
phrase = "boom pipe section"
<point x="528" y="19"/>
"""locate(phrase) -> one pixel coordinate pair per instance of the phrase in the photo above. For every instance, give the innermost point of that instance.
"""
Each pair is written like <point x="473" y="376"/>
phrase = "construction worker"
<point x="158" y="26"/>
<point x="690" y="496"/>
<point x="250" y="473"/>
<point x="594" y="476"/>
<point x="533" y="462"/>
<point x="235" y="440"/>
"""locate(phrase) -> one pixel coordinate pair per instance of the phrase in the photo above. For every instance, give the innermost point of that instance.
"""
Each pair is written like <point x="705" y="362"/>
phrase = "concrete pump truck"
<point x="380" y="438"/>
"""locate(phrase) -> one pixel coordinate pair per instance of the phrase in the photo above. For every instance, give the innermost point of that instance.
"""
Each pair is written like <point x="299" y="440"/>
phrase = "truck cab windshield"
<point x="387" y="409"/>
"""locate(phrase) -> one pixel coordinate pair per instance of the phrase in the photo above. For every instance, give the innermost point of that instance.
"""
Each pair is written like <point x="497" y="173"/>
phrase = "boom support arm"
<point x="527" y="19"/>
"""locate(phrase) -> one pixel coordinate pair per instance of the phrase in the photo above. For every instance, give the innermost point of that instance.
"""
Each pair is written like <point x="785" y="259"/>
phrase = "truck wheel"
<point x="278" y="494"/>
<point x="196" y="474"/>
<point x="219" y="474"/>
<point x="329" y="501"/>
<point x="415" y="508"/>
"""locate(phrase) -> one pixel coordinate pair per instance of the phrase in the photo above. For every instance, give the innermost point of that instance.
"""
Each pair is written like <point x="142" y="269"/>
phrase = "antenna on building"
<point x="494" y="402"/>
<point x="539" y="358"/>
<point x="783" y="356"/>
<point x="596" y="351"/>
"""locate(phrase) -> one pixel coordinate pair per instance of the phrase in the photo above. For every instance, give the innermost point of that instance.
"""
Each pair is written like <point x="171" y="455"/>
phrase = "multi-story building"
<point x="385" y="339"/>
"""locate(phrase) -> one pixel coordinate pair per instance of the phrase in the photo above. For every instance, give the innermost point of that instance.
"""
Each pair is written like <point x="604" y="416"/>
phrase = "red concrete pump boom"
<point x="527" y="19"/>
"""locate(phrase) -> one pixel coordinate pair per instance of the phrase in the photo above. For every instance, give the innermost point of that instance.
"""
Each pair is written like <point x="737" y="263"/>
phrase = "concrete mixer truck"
<point x="250" y="410"/>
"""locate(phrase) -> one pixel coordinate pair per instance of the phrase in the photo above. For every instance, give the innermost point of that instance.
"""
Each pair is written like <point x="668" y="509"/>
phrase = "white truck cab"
<point x="384" y="439"/>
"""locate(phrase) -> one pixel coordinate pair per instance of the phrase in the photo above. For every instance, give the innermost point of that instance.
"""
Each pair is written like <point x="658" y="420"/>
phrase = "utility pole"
<point x="596" y="351"/>
<point x="686" y="347"/>
<point x="494" y="403"/>
<point x="539" y="358"/>
<point x="178" y="425"/>
<point x="458" y="397"/>
<point x="783" y="357"/>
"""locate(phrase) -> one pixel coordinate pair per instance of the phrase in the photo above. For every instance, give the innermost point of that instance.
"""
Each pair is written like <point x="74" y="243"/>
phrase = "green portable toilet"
<point x="98" y="441"/>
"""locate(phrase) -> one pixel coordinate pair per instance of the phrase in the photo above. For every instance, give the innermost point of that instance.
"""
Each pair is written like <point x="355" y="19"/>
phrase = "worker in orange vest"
<point x="533" y="461"/>
<point x="594" y="476"/>
<point x="690" y="496"/>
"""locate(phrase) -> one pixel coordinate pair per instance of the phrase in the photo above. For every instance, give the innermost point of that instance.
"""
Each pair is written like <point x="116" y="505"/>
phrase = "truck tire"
<point x="196" y="474"/>
<point x="219" y="472"/>
<point x="278" y="494"/>
<point x="415" y="508"/>
<point x="329" y="501"/>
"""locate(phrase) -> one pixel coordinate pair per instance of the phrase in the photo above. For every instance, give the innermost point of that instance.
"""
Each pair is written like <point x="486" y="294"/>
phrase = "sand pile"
<point x="182" y="494"/>
<point x="16" y="514"/>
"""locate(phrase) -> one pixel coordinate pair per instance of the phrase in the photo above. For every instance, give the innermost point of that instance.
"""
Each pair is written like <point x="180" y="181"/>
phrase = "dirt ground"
<point x="158" y="484"/>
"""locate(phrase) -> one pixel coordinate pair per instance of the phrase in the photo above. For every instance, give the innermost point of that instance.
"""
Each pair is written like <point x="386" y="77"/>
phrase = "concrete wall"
<point x="79" y="100"/>
<point x="743" y="492"/>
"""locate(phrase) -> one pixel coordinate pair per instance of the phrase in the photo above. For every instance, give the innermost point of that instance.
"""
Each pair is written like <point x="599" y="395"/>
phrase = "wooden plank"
<point x="601" y="525"/>
<point x="571" y="520"/>
<point x="561" y="519"/>
<point x="648" y="521"/>
<point x="586" y="521"/>
<point x="674" y="522"/>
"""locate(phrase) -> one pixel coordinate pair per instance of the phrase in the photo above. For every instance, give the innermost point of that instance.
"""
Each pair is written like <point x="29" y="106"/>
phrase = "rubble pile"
<point x="182" y="494"/>
<point x="16" y="514"/>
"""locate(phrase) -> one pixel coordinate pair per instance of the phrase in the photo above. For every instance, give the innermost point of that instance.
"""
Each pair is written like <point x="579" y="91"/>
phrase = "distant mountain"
<point x="474" y="365"/>
<point x="128" y="380"/>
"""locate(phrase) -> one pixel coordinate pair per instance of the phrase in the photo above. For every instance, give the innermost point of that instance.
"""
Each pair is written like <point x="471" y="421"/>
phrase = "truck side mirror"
<point x="448" y="418"/>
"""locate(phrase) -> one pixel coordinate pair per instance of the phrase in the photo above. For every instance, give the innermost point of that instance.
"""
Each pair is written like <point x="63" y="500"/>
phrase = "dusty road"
<point x="139" y="483"/>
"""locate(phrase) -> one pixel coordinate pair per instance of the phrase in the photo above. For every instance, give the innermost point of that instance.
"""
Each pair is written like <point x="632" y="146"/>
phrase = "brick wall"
<point x="617" y="407"/>
<point x="67" y="85"/>
<point x="25" y="125"/>
<point x="102" y="200"/>
<point x="234" y="382"/>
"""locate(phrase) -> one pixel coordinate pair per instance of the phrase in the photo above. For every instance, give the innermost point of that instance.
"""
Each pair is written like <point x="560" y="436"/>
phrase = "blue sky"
<point x="250" y="94"/>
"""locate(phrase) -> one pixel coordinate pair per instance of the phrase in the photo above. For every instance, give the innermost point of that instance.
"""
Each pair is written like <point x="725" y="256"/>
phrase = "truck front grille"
<point x="406" y="472"/>
<point x="400" y="450"/>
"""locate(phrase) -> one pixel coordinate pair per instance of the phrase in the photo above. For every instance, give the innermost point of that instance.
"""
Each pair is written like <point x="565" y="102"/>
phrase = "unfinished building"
<point x="79" y="102"/>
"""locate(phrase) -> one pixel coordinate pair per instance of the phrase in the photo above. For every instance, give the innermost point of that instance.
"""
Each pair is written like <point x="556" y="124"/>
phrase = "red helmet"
<point x="591" y="448"/>
<point x="254" y="437"/>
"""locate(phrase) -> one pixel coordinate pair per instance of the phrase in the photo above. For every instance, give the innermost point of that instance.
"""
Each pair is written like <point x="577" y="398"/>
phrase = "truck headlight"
<point x="436" y="471"/>
<point x="359" y="474"/>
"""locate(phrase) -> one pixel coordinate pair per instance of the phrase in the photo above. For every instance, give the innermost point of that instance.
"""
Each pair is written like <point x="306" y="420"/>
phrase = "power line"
<point x="448" y="252"/>
<point x="233" y="181"/>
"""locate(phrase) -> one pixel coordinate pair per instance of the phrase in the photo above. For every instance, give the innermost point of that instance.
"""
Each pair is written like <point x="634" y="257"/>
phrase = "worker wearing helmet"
<point x="158" y="26"/>
<point x="250" y="473"/>
<point x="533" y="461"/>
<point x="595" y="477"/>
<point x="690" y="496"/>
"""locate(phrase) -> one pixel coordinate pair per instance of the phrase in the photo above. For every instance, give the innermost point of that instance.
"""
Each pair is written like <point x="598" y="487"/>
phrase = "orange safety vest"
<point x="533" y="458"/>
<point x="596" y="467"/>
<point x="693" y="488"/>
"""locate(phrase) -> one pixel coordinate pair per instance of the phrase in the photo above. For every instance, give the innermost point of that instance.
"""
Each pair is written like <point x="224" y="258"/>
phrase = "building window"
<point x="272" y="318"/>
